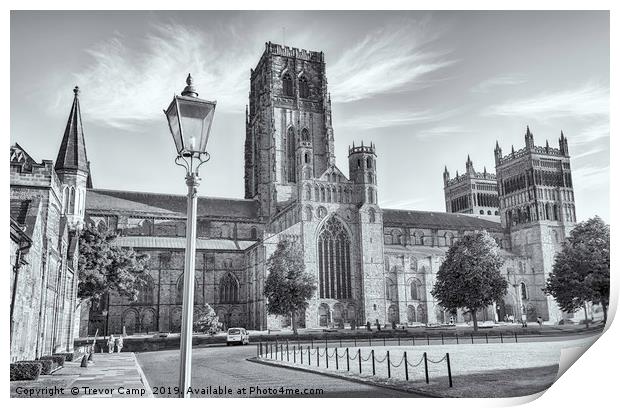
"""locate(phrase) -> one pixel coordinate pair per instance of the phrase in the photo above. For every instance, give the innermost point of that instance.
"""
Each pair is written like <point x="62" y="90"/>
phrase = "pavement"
<point x="109" y="375"/>
<point x="225" y="372"/>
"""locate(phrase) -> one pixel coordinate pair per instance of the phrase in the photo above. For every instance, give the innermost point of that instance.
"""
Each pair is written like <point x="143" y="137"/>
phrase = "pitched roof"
<point x="439" y="220"/>
<point x="180" y="243"/>
<point x="72" y="153"/>
<point x="167" y="204"/>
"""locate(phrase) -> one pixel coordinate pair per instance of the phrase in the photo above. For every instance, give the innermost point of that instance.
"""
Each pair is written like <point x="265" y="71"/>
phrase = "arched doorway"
<point x="323" y="315"/>
<point x="130" y="321"/>
<point x="421" y="314"/>
<point x="411" y="317"/>
<point x="338" y="315"/>
<point x="175" y="320"/>
<point x="147" y="321"/>
<point x="393" y="314"/>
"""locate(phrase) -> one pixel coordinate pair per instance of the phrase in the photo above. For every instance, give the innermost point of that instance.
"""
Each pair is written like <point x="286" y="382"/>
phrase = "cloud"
<point x="588" y="101"/>
<point x="391" y="59"/>
<point x="406" y="203"/>
<point x="440" y="131"/>
<point x="502" y="80"/>
<point x="590" y="177"/>
<point x="591" y="140"/>
<point x="129" y="84"/>
<point x="392" y="119"/>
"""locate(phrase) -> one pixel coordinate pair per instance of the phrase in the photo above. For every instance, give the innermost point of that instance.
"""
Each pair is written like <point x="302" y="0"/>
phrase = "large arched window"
<point x="305" y="135"/>
<point x="415" y="286"/>
<point x="145" y="291"/>
<point x="290" y="155"/>
<point x="334" y="249"/>
<point x="229" y="289"/>
<point x="304" y="87"/>
<point x="524" y="294"/>
<point x="287" y="85"/>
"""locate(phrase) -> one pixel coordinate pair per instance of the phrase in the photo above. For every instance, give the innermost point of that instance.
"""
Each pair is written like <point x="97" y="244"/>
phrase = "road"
<point x="227" y="367"/>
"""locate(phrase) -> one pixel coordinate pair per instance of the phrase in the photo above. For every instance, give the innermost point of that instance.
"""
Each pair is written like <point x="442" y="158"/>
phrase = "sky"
<point x="428" y="88"/>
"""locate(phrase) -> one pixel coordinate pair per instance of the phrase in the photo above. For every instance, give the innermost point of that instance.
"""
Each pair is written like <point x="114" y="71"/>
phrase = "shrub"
<point x="69" y="356"/>
<point x="47" y="366"/>
<point x="25" y="370"/>
<point x="59" y="359"/>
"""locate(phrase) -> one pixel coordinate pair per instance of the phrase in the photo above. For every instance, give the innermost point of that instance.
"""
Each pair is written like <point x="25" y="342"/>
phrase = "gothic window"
<point x="369" y="163"/>
<point x="334" y="249"/>
<point x="253" y="233"/>
<point x="322" y="193"/>
<point x="371" y="215"/>
<point x="290" y="154"/>
<point x="391" y="290"/>
<point x="287" y="85"/>
<point x="415" y="286"/>
<point x="306" y="158"/>
<point x="305" y="135"/>
<point x="179" y="294"/>
<point x="316" y="193"/>
<point x="71" y="200"/>
<point x="359" y="163"/>
<point x="229" y="289"/>
<point x="145" y="291"/>
<point x="308" y="192"/>
<point x="524" y="294"/>
<point x="304" y="88"/>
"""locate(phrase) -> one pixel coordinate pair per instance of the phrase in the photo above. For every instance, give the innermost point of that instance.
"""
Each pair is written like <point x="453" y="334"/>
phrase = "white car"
<point x="237" y="335"/>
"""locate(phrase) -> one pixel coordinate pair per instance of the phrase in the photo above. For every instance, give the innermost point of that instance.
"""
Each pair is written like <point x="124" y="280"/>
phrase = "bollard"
<point x="317" y="357"/>
<point x="501" y="337"/>
<point x="336" y="353"/>
<point x="340" y="340"/>
<point x="294" y="354"/>
<point x="399" y="340"/>
<point x="516" y="341"/>
<point x="384" y="342"/>
<point x="442" y="339"/>
<point x="281" y="352"/>
<point x="287" y="355"/>
<point x="369" y="341"/>
<point x="426" y="367"/>
<point x="312" y="343"/>
<point x="428" y="341"/>
<point x="271" y="350"/>
<point x="389" y="365"/>
<point x="413" y="341"/>
<point x="326" y="358"/>
<point x="326" y="343"/>
<point x="84" y="362"/>
<point x="372" y="353"/>
<point x="472" y="338"/>
<point x="348" y="359"/>
<point x="406" y="366"/>
<point x="449" y="369"/>
<point x="486" y="336"/>
<point x="91" y="355"/>
<point x="355" y="341"/>
<point x="457" y="337"/>
<point x="301" y="355"/>
<point x="359" y="359"/>
<point x="257" y="353"/>
<point x="309" y="361"/>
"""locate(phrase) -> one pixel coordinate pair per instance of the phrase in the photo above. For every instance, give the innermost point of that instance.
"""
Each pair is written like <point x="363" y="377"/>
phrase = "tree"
<point x="581" y="269"/>
<point x="470" y="275"/>
<point x="103" y="267"/>
<point x="288" y="287"/>
<point x="206" y="320"/>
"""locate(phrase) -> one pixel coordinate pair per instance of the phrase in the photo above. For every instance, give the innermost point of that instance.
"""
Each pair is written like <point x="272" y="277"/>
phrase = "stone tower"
<point x="471" y="193"/>
<point x="363" y="172"/>
<point x="72" y="166"/>
<point x="288" y="126"/>
<point x="537" y="207"/>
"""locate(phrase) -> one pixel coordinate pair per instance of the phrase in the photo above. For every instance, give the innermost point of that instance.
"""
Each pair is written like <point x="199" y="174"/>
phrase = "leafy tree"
<point x="103" y="267"/>
<point x="581" y="269"/>
<point x="470" y="275"/>
<point x="206" y="321"/>
<point x="288" y="287"/>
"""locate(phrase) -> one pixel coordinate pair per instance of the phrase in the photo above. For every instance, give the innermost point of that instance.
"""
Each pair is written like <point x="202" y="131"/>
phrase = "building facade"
<point x="370" y="263"/>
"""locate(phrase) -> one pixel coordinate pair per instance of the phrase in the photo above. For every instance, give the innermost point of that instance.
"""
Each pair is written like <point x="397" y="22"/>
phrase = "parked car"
<point x="237" y="335"/>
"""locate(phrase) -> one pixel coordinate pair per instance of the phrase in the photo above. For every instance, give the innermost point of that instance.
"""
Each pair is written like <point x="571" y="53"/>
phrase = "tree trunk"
<point x="294" y="321"/>
<point x="474" y="318"/>
<point x="585" y="313"/>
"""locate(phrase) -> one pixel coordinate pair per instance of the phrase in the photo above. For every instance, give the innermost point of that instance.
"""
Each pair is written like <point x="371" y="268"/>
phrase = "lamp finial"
<point x="189" y="89"/>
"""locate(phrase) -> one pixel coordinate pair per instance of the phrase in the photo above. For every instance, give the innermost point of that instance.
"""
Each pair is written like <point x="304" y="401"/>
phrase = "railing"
<point x="313" y="356"/>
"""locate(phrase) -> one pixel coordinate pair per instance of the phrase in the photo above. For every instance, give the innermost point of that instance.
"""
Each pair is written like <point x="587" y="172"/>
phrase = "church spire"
<point x="72" y="153"/>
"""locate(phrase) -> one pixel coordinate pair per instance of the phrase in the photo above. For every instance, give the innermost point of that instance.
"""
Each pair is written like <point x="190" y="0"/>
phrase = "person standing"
<point x="111" y="342"/>
<point x="119" y="344"/>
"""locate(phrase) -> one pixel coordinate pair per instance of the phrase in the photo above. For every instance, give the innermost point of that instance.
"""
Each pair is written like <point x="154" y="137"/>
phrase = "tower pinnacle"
<point x="72" y="152"/>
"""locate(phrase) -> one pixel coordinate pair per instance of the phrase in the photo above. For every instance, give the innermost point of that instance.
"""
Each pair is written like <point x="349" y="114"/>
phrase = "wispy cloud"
<point x="406" y="203"/>
<point x="591" y="140"/>
<point x="502" y="80"/>
<point x="394" y="58"/>
<point x="591" y="177"/>
<point x="441" y="131"/>
<point x="128" y="85"/>
<point x="393" y="119"/>
<point x="584" y="102"/>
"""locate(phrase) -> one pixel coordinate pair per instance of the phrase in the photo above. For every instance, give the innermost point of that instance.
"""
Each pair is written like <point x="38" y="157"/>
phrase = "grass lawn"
<point x="478" y="370"/>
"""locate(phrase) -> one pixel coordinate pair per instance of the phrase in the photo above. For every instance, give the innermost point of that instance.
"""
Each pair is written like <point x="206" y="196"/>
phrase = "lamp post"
<point x="190" y="120"/>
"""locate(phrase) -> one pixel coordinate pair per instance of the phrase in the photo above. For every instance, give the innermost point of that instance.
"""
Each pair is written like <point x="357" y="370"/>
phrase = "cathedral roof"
<point x="163" y="205"/>
<point x="439" y="220"/>
<point x="181" y="242"/>
<point x="72" y="153"/>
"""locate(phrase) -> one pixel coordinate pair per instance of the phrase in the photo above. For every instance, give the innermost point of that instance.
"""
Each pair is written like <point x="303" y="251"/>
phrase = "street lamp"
<point x="190" y="120"/>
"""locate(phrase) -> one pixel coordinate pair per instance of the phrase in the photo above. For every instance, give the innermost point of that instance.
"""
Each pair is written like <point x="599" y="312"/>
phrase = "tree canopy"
<point x="470" y="275"/>
<point x="288" y="287"/>
<point x="103" y="267"/>
<point x="206" y="320"/>
<point x="581" y="269"/>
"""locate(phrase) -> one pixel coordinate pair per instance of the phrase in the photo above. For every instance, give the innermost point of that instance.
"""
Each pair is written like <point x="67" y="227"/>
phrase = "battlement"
<point x="286" y="51"/>
<point x="362" y="149"/>
<point x="551" y="151"/>
<point x="476" y="176"/>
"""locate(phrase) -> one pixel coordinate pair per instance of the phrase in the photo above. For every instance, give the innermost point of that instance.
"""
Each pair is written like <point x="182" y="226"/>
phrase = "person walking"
<point x="539" y="320"/>
<point x="119" y="344"/>
<point x="111" y="342"/>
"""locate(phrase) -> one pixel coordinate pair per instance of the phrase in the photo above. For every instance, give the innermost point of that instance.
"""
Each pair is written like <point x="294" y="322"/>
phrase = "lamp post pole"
<point x="185" y="376"/>
<point x="189" y="119"/>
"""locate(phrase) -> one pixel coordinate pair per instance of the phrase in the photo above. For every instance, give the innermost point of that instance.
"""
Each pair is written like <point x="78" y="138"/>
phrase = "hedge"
<point x="47" y="366"/>
<point x="59" y="359"/>
<point x="69" y="356"/>
<point x="25" y="370"/>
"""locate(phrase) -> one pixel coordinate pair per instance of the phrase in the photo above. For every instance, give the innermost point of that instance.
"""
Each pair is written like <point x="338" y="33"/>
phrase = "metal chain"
<point x="416" y="364"/>
<point x="399" y="364"/>
<point x="436" y="362"/>
<point x="355" y="356"/>
<point x="381" y="361"/>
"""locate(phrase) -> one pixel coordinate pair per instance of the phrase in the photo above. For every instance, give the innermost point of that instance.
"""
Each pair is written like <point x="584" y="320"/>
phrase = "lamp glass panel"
<point x="196" y="120"/>
<point x="173" y="122"/>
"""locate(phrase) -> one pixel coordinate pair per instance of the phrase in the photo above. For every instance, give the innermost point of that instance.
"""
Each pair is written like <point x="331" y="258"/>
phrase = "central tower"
<point x="290" y="111"/>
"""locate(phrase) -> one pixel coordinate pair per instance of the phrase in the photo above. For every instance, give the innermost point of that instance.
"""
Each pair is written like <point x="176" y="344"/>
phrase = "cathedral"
<point x="370" y="263"/>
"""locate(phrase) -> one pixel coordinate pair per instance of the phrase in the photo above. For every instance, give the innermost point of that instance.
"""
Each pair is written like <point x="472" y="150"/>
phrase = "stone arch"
<point x="393" y="316"/>
<point x="146" y="290"/>
<point x="415" y="289"/>
<point x="411" y="314"/>
<point x="323" y="315"/>
<point x="421" y="313"/>
<point x="334" y="258"/>
<point x="305" y="135"/>
<point x="130" y="321"/>
<point x="287" y="84"/>
<point x="179" y="289"/>
<point x="148" y="320"/>
<point x="304" y="87"/>
<point x="253" y="233"/>
<point x="229" y="289"/>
